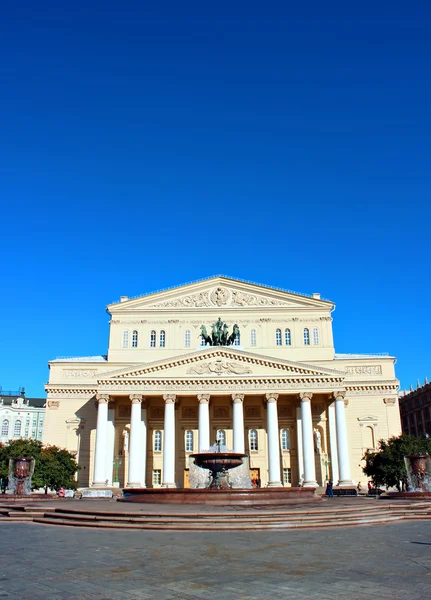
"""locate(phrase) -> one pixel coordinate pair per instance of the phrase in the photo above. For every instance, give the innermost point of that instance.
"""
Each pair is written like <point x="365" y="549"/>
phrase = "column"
<point x="99" y="477"/>
<point x="204" y="422"/>
<point x="169" y="442"/>
<point x="342" y="441"/>
<point x="307" y="441"/>
<point x="238" y="423"/>
<point x="273" y="441"/>
<point x="143" y="461"/>
<point x="134" y="478"/>
<point x="299" y="445"/>
<point x="333" y="443"/>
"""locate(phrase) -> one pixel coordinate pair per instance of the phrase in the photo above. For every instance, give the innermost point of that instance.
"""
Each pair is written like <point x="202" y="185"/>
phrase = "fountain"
<point x="220" y="477"/>
<point x="418" y="467"/>
<point x="20" y="474"/>
<point x="219" y="461"/>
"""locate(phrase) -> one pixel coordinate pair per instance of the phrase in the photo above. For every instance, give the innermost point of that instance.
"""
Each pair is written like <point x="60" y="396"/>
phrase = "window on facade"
<point x="125" y="339"/>
<point x="306" y="337"/>
<point x="369" y="438"/>
<point x="162" y="339"/>
<point x="135" y="339"/>
<point x="287" y="476"/>
<point x="278" y="340"/>
<point x="237" y="340"/>
<point x="253" y="439"/>
<point x="187" y="338"/>
<point x="5" y="427"/>
<point x="315" y="335"/>
<point x="157" y="441"/>
<point x="285" y="440"/>
<point x="287" y="337"/>
<point x="189" y="441"/>
<point x="157" y="477"/>
<point x="17" y="429"/>
<point x="153" y="339"/>
<point x="253" y="337"/>
<point x="221" y="436"/>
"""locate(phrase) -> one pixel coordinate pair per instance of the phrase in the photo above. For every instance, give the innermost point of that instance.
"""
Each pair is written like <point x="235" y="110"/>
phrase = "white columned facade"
<point x="238" y="423"/>
<point x="342" y="441"/>
<point x="333" y="443"/>
<point x="169" y="442"/>
<point x="135" y="443"/>
<point x="99" y="478"/>
<point x="274" y="479"/>
<point x="204" y="422"/>
<point x="307" y="440"/>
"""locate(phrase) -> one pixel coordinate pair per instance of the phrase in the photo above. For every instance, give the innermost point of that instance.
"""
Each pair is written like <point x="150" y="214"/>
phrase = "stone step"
<point x="193" y="518"/>
<point x="233" y="526"/>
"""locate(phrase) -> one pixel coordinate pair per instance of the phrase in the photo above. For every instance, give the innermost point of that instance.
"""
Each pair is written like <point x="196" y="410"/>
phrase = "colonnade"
<point x="306" y="455"/>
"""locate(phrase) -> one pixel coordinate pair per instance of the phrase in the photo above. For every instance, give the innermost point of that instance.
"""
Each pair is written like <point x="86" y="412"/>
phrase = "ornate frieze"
<point x="219" y="367"/>
<point x="189" y="412"/>
<point x="364" y="370"/>
<point x="221" y="412"/>
<point x="390" y="401"/>
<point x="72" y="373"/>
<point x="221" y="296"/>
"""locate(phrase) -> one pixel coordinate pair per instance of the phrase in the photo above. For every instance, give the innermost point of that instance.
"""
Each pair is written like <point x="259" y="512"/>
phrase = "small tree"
<point x="387" y="466"/>
<point x="54" y="468"/>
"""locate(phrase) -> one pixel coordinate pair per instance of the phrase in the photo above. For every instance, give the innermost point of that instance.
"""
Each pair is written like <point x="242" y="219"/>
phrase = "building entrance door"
<point x="186" y="478"/>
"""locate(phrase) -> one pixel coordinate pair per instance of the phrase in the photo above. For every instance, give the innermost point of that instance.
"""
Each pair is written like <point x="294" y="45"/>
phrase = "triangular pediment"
<point x="219" y="293"/>
<point x="221" y="361"/>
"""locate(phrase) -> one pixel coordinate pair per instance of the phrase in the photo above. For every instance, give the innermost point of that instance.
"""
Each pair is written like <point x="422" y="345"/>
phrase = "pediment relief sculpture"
<point x="219" y="367"/>
<point x="222" y="296"/>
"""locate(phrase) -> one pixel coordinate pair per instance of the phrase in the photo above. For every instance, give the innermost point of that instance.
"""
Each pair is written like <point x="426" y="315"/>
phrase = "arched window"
<point x="153" y="339"/>
<point x="278" y="340"/>
<point x="187" y="338"/>
<point x="287" y="337"/>
<point x="157" y="441"/>
<point x="189" y="441"/>
<point x="17" y="429"/>
<point x="162" y="339"/>
<point x="253" y="439"/>
<point x="306" y="337"/>
<point x="285" y="440"/>
<point x="125" y="339"/>
<point x="253" y="337"/>
<point x="221" y="436"/>
<point x="135" y="339"/>
<point x="315" y="335"/>
<point x="5" y="427"/>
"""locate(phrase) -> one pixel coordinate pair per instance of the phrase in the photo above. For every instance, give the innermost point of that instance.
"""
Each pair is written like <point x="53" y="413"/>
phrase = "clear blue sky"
<point x="147" y="146"/>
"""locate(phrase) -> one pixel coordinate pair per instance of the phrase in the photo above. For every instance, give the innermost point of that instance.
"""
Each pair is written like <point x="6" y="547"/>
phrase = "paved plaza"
<point x="52" y="563"/>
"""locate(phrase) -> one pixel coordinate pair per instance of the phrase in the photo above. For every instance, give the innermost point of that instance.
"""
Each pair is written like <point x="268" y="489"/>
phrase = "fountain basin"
<point x="216" y="497"/>
<point x="218" y="461"/>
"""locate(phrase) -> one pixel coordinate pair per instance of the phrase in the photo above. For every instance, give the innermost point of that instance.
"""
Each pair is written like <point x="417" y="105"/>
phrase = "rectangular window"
<point x="287" y="476"/>
<point x="157" y="477"/>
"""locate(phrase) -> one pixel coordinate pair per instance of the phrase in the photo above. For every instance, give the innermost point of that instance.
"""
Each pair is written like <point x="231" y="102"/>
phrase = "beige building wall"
<point x="178" y="364"/>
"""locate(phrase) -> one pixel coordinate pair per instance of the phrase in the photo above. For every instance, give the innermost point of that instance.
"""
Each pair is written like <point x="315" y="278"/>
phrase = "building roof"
<point x="32" y="402"/>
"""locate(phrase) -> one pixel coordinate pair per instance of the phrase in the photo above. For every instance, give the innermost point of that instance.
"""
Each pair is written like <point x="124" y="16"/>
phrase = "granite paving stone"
<point x="385" y="562"/>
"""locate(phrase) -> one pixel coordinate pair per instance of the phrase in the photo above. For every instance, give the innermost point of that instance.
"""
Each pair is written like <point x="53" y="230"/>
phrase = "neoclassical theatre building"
<point x="274" y="389"/>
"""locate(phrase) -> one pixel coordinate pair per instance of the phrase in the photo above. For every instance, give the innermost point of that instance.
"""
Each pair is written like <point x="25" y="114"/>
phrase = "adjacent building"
<point x="415" y="409"/>
<point x="21" y="417"/>
<point x="275" y="389"/>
